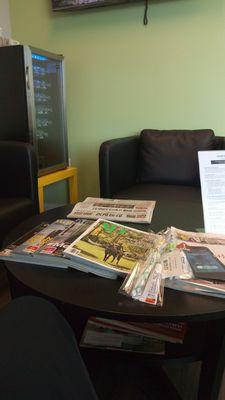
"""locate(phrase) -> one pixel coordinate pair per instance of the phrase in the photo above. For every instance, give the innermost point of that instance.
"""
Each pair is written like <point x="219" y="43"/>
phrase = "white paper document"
<point x="175" y="264"/>
<point x="212" y="177"/>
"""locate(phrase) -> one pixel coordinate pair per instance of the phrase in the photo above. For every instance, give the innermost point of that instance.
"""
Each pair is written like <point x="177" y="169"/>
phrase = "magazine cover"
<point x="56" y="246"/>
<point x="39" y="239"/>
<point x="8" y="253"/>
<point x="112" y="246"/>
<point x="11" y="253"/>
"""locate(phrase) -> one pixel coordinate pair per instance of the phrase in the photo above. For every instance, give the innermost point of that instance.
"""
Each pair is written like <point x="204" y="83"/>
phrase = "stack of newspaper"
<point x="103" y="248"/>
<point x="172" y="332"/>
<point x="105" y="333"/>
<point x="138" y="211"/>
<point x="100" y="336"/>
<point x="150" y="338"/>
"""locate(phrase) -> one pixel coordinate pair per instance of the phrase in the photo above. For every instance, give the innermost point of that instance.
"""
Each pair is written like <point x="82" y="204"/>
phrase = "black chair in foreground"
<point x="18" y="185"/>
<point x="40" y="358"/>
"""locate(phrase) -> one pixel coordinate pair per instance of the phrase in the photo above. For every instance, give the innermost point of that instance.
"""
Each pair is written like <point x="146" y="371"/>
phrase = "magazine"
<point x="27" y="248"/>
<point x="47" y="234"/>
<point x="10" y="252"/>
<point x="98" y="335"/>
<point x="110" y="246"/>
<point x="27" y="235"/>
<point x="204" y="253"/>
<point x="168" y="331"/>
<point x="197" y="286"/>
<point x="138" y="211"/>
<point x="44" y="245"/>
<point x="56" y="246"/>
<point x="199" y="259"/>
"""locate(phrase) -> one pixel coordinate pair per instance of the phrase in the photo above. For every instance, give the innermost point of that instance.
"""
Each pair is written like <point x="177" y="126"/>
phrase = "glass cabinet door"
<point x="49" y="109"/>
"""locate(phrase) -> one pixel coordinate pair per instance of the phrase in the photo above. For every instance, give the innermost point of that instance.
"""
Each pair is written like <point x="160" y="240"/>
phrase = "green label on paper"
<point x="110" y="228"/>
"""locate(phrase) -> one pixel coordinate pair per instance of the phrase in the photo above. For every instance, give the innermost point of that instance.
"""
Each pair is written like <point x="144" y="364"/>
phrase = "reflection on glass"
<point x="47" y="78"/>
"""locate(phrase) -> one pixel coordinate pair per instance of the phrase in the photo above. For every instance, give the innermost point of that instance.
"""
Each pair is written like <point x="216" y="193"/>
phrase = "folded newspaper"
<point x="173" y="332"/>
<point x="99" y="335"/>
<point x="137" y="211"/>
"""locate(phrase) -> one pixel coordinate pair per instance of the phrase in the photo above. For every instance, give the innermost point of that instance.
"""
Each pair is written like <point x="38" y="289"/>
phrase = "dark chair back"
<point x="128" y="161"/>
<point x="18" y="171"/>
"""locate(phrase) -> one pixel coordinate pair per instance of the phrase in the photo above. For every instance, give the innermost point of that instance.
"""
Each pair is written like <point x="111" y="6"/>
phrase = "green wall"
<point x="122" y="76"/>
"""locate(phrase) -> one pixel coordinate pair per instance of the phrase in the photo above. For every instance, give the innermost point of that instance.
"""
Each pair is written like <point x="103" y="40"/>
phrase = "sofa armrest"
<point x="18" y="171"/>
<point x="219" y="143"/>
<point x="118" y="165"/>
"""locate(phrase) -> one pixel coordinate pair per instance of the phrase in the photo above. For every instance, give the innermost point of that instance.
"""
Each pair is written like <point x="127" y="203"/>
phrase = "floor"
<point x="129" y="381"/>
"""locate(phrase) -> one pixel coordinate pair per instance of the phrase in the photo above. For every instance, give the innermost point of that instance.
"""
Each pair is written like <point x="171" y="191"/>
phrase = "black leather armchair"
<point x="135" y="166"/>
<point x="18" y="185"/>
<point x="157" y="165"/>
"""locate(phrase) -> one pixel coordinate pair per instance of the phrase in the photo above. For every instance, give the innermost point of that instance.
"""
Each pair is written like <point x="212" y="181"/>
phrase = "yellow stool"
<point x="69" y="173"/>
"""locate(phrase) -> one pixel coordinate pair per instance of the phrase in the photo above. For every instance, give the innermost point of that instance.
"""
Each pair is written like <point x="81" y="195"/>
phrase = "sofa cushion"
<point x="176" y="205"/>
<point x="161" y="192"/>
<point x="172" y="156"/>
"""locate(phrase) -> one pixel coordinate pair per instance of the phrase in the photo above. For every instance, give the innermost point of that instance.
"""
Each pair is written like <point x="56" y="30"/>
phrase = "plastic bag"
<point x="145" y="282"/>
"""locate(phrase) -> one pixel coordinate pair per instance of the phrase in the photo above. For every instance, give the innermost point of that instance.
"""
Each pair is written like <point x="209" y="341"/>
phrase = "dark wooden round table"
<point x="78" y="295"/>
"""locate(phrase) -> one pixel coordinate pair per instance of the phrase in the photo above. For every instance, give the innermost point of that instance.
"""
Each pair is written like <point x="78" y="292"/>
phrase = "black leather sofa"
<point x="18" y="185"/>
<point x="157" y="165"/>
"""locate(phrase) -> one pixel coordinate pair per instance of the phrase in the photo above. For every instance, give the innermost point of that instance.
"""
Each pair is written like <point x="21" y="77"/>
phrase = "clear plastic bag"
<point x="145" y="283"/>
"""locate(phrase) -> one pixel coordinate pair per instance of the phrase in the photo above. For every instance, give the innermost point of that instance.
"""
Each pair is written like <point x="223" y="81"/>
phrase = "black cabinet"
<point x="32" y="104"/>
